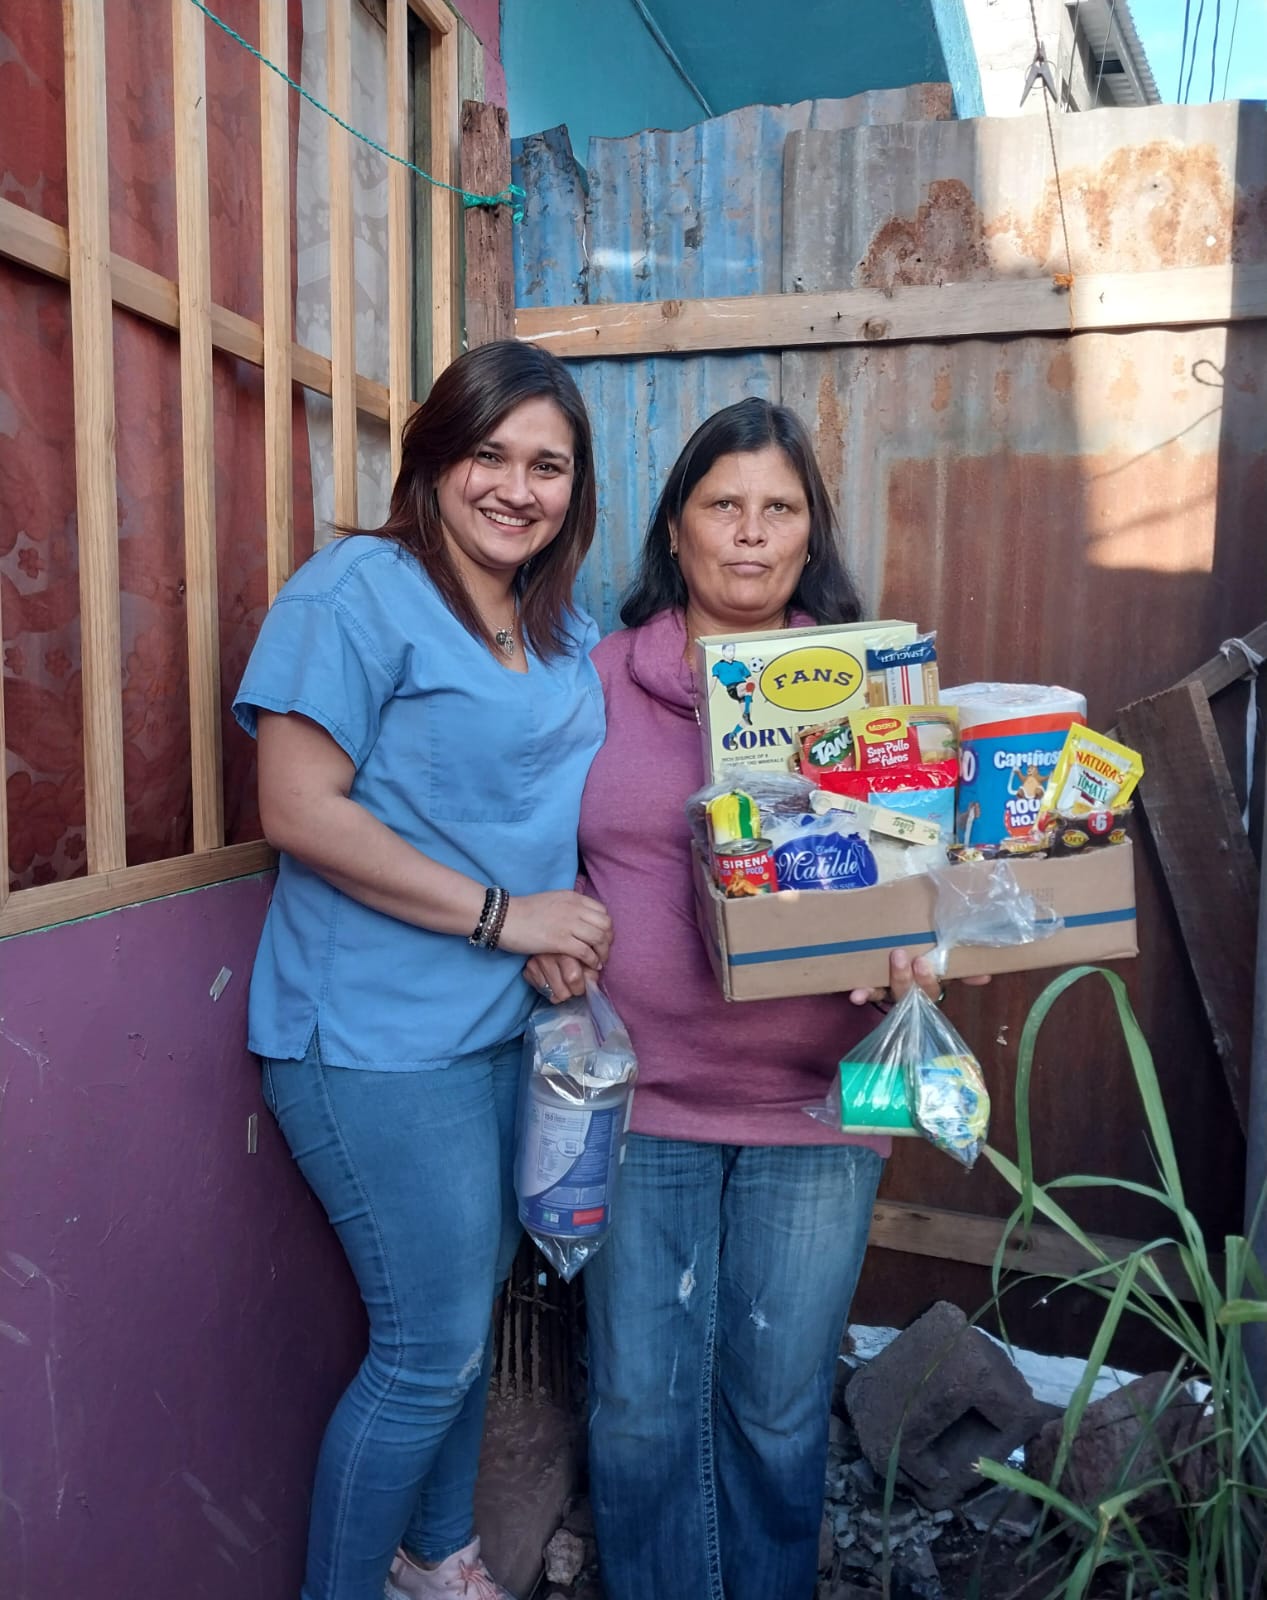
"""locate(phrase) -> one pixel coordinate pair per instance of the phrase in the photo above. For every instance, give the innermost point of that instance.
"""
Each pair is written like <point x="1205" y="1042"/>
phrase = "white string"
<point x="1252" y="663"/>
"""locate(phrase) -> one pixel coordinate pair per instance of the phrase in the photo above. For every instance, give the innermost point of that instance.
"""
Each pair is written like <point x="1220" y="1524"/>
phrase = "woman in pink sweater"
<point x="717" y="1306"/>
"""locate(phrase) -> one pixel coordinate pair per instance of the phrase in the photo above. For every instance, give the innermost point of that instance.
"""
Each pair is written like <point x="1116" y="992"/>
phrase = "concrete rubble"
<point x="943" y="1395"/>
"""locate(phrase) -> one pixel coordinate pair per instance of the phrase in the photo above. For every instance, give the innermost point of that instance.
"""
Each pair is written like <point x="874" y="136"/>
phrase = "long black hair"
<point x="825" y="590"/>
<point x="466" y="403"/>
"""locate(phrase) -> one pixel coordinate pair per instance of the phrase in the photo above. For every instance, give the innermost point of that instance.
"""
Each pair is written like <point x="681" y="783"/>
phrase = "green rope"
<point x="508" y="196"/>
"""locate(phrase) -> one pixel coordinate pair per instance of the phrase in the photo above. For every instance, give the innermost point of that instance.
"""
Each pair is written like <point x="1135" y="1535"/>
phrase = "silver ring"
<point x="547" y="991"/>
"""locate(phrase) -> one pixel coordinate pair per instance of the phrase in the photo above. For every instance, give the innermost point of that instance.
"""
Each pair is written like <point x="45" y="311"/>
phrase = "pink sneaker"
<point x="463" y="1573"/>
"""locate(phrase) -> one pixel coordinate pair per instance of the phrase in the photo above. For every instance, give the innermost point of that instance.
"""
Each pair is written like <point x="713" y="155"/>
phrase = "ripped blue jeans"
<point x="715" y="1311"/>
<point x="414" y="1172"/>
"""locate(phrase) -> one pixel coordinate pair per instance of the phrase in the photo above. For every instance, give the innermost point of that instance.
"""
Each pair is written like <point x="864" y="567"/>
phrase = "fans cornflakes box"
<point x="757" y="691"/>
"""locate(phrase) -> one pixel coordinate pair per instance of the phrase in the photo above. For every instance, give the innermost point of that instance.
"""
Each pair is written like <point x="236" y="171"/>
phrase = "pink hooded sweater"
<point x="708" y="1069"/>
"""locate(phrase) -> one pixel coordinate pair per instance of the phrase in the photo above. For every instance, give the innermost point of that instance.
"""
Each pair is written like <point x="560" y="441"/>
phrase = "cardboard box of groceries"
<point x="770" y="946"/>
<point x="759" y="690"/>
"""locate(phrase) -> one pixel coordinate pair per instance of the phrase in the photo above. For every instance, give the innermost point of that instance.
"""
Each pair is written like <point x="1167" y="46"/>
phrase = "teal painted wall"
<point x="594" y="65"/>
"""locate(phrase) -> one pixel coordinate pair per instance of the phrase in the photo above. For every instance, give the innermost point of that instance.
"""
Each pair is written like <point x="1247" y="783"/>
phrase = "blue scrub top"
<point x="478" y="767"/>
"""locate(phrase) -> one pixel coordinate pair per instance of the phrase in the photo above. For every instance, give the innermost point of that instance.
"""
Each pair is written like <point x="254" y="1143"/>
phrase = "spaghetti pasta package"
<point x="904" y="675"/>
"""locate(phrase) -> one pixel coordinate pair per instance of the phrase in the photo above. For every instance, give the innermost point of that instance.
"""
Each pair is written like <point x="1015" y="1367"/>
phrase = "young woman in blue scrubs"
<point x="426" y="714"/>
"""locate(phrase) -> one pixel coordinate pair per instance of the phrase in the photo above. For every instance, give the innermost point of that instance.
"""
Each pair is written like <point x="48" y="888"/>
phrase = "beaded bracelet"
<point x="493" y="937"/>
<point x="488" y="930"/>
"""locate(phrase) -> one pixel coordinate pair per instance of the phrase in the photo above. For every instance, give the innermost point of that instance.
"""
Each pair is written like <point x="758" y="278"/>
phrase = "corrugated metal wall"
<point x="669" y="215"/>
<point x="1086" y="510"/>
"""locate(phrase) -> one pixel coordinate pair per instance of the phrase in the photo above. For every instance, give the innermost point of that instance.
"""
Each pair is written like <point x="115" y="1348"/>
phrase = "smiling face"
<point x="508" y="498"/>
<point x="742" y="541"/>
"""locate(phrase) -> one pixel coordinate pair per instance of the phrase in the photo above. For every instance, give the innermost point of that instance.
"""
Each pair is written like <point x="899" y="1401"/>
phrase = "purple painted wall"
<point x="176" y="1318"/>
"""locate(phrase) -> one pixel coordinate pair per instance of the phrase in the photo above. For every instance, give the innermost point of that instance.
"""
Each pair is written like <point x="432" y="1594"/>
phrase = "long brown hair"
<point x="467" y="402"/>
<point x="825" y="589"/>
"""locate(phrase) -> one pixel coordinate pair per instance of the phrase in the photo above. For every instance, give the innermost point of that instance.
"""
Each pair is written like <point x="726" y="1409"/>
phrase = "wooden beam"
<point x="490" y="261"/>
<point x="342" y="262"/>
<point x="1222" y="671"/>
<point x="1192" y="812"/>
<point x="198" y="446"/>
<point x="399" y="230"/>
<point x="1176" y="297"/>
<point x="34" y="242"/>
<point x="88" y="267"/>
<point x="444" y="140"/>
<point x="279" y="473"/>
<point x="29" y="909"/>
<point x="434" y="13"/>
<point x="961" y="1236"/>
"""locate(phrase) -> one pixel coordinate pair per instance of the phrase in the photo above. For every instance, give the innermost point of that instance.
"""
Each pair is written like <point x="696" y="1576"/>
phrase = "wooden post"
<point x="91" y="312"/>
<point x="490" y="262"/>
<point x="444" y="138"/>
<point x="279" y="476"/>
<point x="1194" y="817"/>
<point x="193" y="254"/>
<point x="342" y="263"/>
<point x="399" y="229"/>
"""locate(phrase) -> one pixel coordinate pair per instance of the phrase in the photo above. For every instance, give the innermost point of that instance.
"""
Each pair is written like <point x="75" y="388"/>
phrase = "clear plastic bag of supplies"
<point x="575" y="1096"/>
<point x="912" y="1075"/>
<point x="985" y="905"/>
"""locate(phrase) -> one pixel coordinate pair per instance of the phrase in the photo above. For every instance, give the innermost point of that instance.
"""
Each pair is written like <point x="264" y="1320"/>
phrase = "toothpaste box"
<point x="757" y="691"/>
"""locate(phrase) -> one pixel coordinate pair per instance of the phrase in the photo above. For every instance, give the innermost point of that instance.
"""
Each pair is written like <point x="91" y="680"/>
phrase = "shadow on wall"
<point x="1068" y="509"/>
<point x="1065" y="509"/>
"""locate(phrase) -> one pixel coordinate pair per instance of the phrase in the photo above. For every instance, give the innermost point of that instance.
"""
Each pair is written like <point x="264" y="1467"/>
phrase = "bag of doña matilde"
<point x="912" y="1075"/>
<point x="575" y="1100"/>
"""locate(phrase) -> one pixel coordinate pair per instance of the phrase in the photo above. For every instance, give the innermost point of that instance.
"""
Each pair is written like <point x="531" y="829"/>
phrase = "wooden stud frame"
<point x="278" y="365"/>
<point x="342" y="262"/>
<point x="88" y="261"/>
<point x="99" y="280"/>
<point x="1171" y="298"/>
<point x="197" y="403"/>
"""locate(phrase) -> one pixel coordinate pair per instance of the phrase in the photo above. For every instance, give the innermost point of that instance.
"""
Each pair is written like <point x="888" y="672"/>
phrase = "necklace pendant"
<point x="505" y="640"/>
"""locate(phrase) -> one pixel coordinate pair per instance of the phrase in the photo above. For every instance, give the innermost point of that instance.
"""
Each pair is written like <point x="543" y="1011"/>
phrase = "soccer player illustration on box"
<point x="738" y="680"/>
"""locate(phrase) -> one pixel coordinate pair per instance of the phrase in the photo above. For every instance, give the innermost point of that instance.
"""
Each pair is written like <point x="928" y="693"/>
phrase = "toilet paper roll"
<point x="982" y="703"/>
<point x="1011" y="736"/>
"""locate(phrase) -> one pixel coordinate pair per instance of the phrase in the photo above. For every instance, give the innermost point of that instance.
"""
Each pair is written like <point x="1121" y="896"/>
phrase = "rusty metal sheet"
<point x="667" y="216"/>
<point x="1083" y="510"/>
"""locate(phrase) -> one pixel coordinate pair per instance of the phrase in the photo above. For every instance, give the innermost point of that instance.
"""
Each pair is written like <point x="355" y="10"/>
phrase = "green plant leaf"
<point x="1011" y="1478"/>
<point x="1235" y="1312"/>
<point x="1104" y="1336"/>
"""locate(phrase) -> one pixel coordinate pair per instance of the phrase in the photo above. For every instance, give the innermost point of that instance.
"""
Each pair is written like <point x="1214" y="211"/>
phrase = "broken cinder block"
<point x="1123" y="1440"/>
<point x="952" y="1395"/>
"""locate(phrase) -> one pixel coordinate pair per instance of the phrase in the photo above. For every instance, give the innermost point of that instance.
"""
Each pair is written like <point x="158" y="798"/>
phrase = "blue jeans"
<point x="716" y="1310"/>
<point x="414" y="1171"/>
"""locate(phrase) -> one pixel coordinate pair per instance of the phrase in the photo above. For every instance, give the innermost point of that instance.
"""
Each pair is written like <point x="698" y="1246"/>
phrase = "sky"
<point x="1159" y="24"/>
